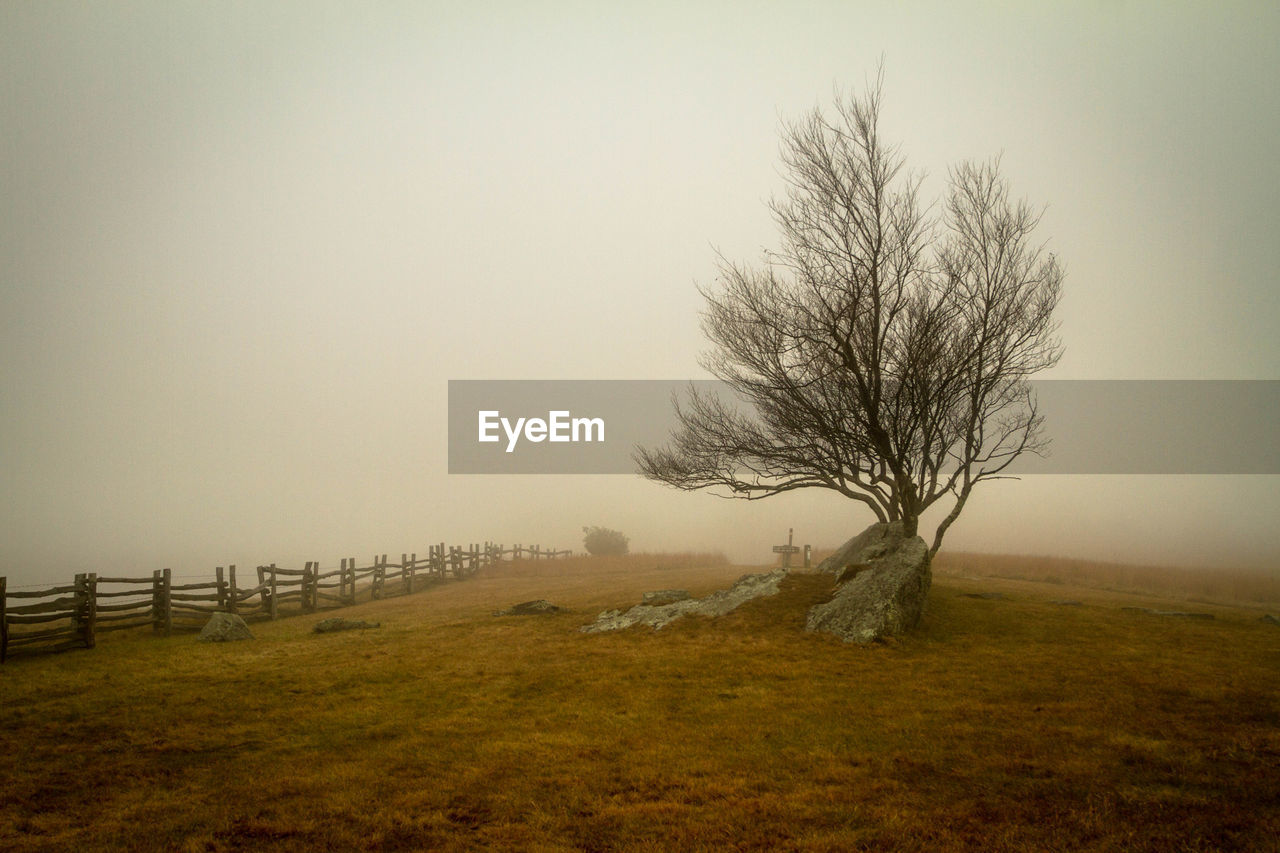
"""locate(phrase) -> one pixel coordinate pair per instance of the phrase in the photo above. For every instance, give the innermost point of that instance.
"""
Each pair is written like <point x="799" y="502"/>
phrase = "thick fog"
<point x="244" y="247"/>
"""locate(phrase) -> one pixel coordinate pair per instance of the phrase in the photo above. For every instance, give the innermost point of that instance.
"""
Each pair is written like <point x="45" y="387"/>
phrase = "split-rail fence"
<point x="72" y="615"/>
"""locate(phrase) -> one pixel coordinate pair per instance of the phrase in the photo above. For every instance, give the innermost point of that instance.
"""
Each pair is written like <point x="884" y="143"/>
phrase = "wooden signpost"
<point x="787" y="550"/>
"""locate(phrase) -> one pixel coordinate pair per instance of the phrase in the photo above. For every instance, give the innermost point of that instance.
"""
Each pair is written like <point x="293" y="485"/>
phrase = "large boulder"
<point x="872" y="543"/>
<point x="884" y="583"/>
<point x="223" y="627"/>
<point x="716" y="604"/>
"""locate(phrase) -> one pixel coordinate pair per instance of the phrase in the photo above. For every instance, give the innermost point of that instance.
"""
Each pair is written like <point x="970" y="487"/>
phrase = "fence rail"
<point x="71" y="616"/>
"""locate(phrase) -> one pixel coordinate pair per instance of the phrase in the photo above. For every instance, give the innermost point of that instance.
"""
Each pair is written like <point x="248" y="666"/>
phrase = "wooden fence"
<point x="71" y="616"/>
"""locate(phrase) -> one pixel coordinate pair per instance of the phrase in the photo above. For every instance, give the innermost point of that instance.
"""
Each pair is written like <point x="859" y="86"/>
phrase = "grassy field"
<point x="1012" y="724"/>
<point x="1255" y="588"/>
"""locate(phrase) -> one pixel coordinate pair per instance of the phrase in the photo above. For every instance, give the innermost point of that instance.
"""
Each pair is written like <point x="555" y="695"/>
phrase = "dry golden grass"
<point x="1229" y="586"/>
<point x="998" y="725"/>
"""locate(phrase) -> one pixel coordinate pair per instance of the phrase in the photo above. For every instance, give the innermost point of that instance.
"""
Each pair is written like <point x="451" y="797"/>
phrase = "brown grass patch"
<point x="998" y="725"/>
<point x="1257" y="588"/>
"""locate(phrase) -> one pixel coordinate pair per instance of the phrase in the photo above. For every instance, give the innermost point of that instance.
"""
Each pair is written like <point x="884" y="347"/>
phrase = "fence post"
<point x="308" y="587"/>
<point x="4" y="622"/>
<point x="160" y="620"/>
<point x="219" y="579"/>
<point x="79" y="611"/>
<point x="161" y="610"/>
<point x="168" y="602"/>
<point x="275" y="613"/>
<point x="315" y="585"/>
<point x="91" y="610"/>
<point x="379" y="574"/>
<point x="233" y="605"/>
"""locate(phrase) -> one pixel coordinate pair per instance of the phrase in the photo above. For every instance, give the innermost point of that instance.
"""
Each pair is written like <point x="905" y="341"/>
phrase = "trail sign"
<point x="787" y="550"/>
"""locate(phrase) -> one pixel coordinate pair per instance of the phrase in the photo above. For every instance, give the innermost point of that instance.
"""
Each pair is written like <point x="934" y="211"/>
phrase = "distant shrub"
<point x="603" y="542"/>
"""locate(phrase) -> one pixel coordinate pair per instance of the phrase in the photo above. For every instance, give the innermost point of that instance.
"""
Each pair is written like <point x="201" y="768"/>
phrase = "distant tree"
<point x="885" y="351"/>
<point x="603" y="542"/>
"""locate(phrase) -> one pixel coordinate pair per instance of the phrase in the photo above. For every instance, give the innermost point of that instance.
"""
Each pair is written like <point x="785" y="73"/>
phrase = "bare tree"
<point x="883" y="353"/>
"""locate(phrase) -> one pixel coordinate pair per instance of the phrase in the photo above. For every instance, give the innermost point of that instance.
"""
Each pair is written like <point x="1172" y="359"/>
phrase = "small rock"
<point x="223" y="627"/>
<point x="529" y="608"/>
<point x="665" y="596"/>
<point x="988" y="596"/>
<point x="1269" y="619"/>
<point x="337" y="623"/>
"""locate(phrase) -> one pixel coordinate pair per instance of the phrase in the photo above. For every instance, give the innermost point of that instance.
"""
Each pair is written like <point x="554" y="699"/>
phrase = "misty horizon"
<point x="246" y="250"/>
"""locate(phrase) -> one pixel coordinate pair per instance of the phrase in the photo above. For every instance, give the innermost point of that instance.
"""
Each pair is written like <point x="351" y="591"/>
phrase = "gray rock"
<point x="885" y="598"/>
<point x="718" y="603"/>
<point x="665" y="596"/>
<point x="337" y="623"/>
<point x="871" y="544"/>
<point x="1269" y="619"/>
<point x="223" y="627"/>
<point x="529" y="608"/>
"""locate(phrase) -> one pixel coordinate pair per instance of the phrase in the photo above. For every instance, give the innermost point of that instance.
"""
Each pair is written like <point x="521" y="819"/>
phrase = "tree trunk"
<point x="951" y="516"/>
<point x="909" y="525"/>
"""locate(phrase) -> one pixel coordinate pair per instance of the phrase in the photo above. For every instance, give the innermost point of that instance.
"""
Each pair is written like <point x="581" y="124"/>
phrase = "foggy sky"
<point x="244" y="247"/>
